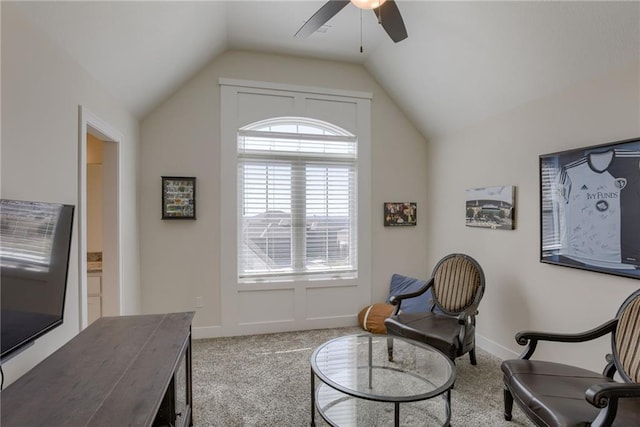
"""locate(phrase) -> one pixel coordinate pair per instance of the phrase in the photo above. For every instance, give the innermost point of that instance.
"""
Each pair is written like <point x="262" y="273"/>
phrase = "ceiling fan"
<point x="386" y="10"/>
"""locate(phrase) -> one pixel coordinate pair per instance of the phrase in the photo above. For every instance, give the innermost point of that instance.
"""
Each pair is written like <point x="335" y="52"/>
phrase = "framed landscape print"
<point x="178" y="197"/>
<point x="490" y="207"/>
<point x="590" y="208"/>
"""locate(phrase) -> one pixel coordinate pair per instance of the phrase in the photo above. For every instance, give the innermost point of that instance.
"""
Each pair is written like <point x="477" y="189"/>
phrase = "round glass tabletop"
<point x="358" y="365"/>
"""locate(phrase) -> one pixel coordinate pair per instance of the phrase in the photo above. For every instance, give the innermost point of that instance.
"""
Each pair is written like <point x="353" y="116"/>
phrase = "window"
<point x="297" y="200"/>
<point x="551" y="238"/>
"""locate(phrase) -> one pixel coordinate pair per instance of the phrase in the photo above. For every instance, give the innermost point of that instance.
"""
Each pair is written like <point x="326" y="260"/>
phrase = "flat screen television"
<point x="35" y="240"/>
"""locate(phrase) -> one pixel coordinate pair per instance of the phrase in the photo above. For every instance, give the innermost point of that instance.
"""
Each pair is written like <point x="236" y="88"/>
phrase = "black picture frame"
<point x="178" y="197"/>
<point x="400" y="214"/>
<point x="590" y="208"/>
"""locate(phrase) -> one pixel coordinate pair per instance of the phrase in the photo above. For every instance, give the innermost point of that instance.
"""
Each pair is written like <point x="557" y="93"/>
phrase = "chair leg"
<point x="472" y="355"/>
<point x="508" y="404"/>
<point x="390" y="348"/>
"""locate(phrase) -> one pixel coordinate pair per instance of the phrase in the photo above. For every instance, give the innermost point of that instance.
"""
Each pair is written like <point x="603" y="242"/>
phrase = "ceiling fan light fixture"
<point x="368" y="4"/>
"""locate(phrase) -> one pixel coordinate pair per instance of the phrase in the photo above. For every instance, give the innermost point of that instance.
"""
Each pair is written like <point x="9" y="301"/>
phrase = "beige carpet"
<point x="264" y="380"/>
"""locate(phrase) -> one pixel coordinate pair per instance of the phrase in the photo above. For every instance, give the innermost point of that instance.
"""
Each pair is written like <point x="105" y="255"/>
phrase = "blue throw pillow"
<point x="403" y="285"/>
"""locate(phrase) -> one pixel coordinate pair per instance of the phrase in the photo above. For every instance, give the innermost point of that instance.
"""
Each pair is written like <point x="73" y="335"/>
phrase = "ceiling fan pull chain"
<point x="361" y="50"/>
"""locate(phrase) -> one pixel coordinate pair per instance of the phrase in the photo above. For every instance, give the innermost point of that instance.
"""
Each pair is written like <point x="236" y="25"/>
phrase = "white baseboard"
<point x="204" y="332"/>
<point x="498" y="350"/>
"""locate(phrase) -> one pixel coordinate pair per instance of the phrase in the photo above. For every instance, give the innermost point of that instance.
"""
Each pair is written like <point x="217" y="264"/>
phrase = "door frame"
<point x="90" y="123"/>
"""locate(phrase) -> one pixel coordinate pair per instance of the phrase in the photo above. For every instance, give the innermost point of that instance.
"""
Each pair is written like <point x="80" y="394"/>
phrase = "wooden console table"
<point x="128" y="370"/>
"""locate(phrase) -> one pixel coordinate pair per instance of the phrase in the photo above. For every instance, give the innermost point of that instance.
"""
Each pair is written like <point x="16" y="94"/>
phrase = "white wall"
<point x="41" y="90"/>
<point x="180" y="260"/>
<point x="521" y="292"/>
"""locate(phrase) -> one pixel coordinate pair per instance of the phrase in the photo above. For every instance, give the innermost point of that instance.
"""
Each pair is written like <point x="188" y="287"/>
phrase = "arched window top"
<point x="297" y="125"/>
<point x="296" y="136"/>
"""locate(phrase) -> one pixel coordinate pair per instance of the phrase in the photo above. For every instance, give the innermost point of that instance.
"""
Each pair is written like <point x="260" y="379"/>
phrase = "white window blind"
<point x="297" y="195"/>
<point x="27" y="230"/>
<point x="549" y="205"/>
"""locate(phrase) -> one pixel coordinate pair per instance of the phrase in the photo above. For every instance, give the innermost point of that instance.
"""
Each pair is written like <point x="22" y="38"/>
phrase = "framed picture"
<point x="400" y="213"/>
<point x="178" y="197"/>
<point x="590" y="208"/>
<point x="490" y="207"/>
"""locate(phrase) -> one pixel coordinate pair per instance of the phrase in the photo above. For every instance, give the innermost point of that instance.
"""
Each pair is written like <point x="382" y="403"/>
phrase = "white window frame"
<point x="309" y="303"/>
<point x="328" y="146"/>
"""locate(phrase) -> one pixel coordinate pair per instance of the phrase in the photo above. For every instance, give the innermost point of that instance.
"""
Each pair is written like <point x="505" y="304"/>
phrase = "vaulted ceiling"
<point x="462" y="62"/>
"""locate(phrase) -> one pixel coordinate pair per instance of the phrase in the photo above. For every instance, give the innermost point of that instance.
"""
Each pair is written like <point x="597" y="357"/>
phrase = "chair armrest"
<point x="465" y="317"/>
<point x="531" y="338"/>
<point x="469" y="314"/>
<point x="397" y="299"/>
<point x="605" y="396"/>
<point x="599" y="395"/>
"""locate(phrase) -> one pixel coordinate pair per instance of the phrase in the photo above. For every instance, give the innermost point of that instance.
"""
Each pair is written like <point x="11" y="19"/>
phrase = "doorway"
<point x="99" y="219"/>
<point x="95" y="205"/>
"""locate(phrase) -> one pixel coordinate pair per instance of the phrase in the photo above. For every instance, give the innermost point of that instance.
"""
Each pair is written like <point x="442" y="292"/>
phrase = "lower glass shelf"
<point x="340" y="409"/>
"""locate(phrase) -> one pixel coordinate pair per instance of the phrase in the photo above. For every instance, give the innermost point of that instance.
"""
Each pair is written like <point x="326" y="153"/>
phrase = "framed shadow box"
<point x="178" y="197"/>
<point x="590" y="208"/>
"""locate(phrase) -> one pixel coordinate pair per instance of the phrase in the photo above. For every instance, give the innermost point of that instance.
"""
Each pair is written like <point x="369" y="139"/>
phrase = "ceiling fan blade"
<point x="319" y="18"/>
<point x="389" y="17"/>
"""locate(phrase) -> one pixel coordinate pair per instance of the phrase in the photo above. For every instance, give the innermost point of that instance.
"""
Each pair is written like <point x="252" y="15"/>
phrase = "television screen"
<point x="35" y="240"/>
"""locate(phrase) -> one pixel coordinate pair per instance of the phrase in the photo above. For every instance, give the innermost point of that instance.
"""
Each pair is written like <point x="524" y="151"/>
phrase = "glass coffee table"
<point x="359" y="386"/>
